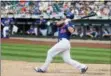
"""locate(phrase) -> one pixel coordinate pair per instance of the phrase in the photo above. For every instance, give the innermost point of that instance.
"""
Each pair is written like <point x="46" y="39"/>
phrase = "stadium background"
<point x="22" y="51"/>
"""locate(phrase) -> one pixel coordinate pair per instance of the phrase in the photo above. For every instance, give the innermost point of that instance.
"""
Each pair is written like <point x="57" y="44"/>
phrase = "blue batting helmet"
<point x="69" y="15"/>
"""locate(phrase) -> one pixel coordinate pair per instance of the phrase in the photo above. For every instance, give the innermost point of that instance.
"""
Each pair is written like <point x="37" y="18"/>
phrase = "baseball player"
<point x="6" y="24"/>
<point x="65" y="29"/>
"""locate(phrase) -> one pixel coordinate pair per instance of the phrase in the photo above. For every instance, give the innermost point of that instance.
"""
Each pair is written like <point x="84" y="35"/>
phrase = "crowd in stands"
<point x="56" y="8"/>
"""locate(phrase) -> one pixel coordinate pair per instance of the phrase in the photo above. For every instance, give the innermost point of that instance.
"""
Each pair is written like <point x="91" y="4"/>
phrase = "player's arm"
<point x="60" y="23"/>
<point x="69" y="26"/>
<point x="71" y="29"/>
<point x="2" y="23"/>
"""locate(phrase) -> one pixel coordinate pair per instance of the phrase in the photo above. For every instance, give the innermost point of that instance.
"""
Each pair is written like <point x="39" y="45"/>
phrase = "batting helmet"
<point x="69" y="15"/>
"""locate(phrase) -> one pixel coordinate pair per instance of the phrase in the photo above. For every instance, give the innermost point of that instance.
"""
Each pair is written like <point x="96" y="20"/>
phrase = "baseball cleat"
<point x="39" y="70"/>
<point x="83" y="70"/>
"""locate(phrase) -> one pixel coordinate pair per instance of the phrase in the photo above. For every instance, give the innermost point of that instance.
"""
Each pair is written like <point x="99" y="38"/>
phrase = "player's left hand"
<point x="67" y="21"/>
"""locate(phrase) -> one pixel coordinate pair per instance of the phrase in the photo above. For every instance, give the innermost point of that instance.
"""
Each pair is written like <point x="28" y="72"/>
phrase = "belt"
<point x="62" y="39"/>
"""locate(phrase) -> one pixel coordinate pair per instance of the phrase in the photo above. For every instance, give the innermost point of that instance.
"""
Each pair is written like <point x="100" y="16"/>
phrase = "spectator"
<point x="106" y="30"/>
<point x="91" y="32"/>
<point x="6" y="24"/>
<point x="14" y="29"/>
<point x="42" y="27"/>
<point x="49" y="9"/>
<point x="54" y="28"/>
<point x="31" y="30"/>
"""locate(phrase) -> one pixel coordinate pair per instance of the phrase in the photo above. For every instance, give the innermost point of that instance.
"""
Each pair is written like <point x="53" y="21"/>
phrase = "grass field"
<point x="37" y="53"/>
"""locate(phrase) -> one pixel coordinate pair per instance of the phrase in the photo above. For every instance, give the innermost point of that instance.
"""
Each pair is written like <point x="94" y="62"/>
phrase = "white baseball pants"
<point x="14" y="29"/>
<point x="62" y="47"/>
<point x="35" y="31"/>
<point x="43" y="32"/>
<point x="5" y="29"/>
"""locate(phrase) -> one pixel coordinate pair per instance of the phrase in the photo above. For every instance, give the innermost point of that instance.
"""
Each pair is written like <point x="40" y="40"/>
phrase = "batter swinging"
<point x="65" y="29"/>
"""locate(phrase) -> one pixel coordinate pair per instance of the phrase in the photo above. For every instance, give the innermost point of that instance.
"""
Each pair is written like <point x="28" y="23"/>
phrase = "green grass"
<point x="37" y="53"/>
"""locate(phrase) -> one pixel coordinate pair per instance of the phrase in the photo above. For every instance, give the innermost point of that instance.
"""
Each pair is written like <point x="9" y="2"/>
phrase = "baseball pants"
<point x="63" y="48"/>
<point x="5" y="29"/>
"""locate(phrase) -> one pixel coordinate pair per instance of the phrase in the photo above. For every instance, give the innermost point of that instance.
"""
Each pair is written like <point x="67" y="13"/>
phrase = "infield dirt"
<point x="20" y="68"/>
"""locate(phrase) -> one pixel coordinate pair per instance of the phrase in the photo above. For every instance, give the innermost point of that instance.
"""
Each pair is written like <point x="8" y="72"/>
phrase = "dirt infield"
<point x="73" y="44"/>
<point x="20" y="68"/>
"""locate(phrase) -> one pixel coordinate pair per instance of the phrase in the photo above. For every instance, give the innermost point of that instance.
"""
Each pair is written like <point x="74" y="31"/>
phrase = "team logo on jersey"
<point x="62" y="30"/>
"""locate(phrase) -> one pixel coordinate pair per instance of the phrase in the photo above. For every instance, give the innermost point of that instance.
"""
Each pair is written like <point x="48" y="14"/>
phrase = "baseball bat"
<point x="89" y="15"/>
